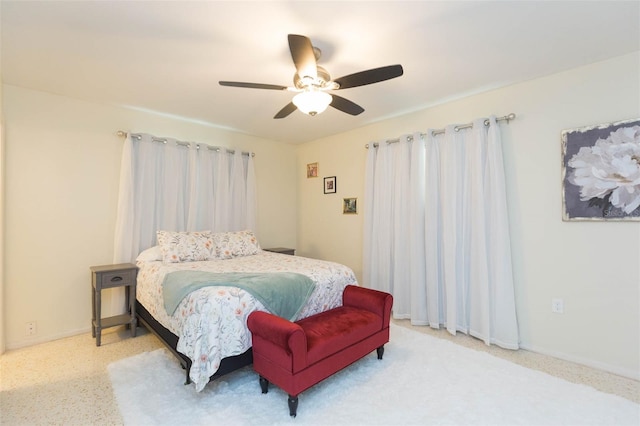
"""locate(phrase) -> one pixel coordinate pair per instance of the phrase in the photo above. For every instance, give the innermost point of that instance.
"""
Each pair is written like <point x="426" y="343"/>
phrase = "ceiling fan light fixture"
<point x="312" y="101"/>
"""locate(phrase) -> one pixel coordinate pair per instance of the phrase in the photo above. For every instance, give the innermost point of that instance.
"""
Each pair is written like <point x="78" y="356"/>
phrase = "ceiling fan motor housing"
<point x="320" y="82"/>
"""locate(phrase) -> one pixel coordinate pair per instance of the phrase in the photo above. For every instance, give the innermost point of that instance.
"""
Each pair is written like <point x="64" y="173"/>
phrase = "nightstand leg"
<point x="132" y="309"/>
<point x="98" y="306"/>
<point x="93" y="311"/>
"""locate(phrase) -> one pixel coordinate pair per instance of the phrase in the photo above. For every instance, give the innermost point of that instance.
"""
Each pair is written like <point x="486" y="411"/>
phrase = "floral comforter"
<point x="211" y="322"/>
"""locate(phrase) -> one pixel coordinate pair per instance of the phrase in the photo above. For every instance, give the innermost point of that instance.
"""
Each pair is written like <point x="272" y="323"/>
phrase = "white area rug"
<point x="420" y="381"/>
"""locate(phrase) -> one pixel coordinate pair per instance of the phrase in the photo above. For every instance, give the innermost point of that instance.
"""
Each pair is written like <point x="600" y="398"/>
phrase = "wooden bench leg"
<point x="380" y="351"/>
<point x="292" y="400"/>
<point x="264" y="384"/>
<point x="293" y="405"/>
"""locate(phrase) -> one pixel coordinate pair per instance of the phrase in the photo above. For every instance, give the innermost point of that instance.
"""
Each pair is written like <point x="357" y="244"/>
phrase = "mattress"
<point x="211" y="322"/>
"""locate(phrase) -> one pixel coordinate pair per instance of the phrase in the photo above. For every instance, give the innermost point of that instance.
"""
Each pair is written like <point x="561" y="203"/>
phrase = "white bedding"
<point x="211" y="322"/>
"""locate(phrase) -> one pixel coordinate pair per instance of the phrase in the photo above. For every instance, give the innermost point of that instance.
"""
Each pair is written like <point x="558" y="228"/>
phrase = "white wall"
<point x="62" y="172"/>
<point x="593" y="266"/>
<point x="2" y="298"/>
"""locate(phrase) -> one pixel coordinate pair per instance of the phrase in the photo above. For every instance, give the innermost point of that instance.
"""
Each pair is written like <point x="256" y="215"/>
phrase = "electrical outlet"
<point x="31" y="328"/>
<point x="557" y="306"/>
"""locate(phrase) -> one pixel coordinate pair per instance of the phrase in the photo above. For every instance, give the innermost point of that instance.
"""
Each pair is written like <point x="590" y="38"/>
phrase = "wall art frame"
<point x="349" y="206"/>
<point x="599" y="165"/>
<point x="312" y="170"/>
<point x="330" y="185"/>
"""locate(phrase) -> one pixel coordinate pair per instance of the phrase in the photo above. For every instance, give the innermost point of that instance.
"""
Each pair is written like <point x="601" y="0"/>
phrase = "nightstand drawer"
<point x="117" y="278"/>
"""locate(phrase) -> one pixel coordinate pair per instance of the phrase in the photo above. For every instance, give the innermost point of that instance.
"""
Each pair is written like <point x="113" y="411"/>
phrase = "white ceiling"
<point x="168" y="56"/>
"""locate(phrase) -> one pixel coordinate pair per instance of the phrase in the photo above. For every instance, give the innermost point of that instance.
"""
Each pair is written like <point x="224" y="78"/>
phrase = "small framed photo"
<point x="312" y="170"/>
<point x="330" y="185"/>
<point x="350" y="206"/>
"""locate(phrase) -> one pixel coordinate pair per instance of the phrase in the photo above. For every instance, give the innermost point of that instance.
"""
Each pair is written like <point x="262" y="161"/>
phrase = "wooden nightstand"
<point x="110" y="276"/>
<point x="282" y="250"/>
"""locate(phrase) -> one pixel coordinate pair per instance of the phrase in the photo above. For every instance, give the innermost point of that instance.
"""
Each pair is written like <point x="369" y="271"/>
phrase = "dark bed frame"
<point x="227" y="365"/>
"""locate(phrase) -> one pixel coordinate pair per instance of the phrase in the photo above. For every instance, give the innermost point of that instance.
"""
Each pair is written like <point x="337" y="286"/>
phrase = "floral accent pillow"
<point x="185" y="246"/>
<point x="235" y="244"/>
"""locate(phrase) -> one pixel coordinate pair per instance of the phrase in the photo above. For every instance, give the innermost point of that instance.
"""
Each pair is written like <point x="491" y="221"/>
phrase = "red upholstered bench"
<point x="297" y="355"/>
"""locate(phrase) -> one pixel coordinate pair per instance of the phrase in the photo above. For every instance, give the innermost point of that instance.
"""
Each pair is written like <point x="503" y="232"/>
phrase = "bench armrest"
<point x="375" y="301"/>
<point x="286" y="335"/>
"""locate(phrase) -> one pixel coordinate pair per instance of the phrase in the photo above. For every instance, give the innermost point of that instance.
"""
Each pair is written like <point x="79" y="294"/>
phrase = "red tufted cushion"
<point x="334" y="330"/>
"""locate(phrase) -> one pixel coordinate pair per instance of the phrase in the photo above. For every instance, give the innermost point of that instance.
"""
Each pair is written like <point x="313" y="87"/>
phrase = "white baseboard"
<point x="619" y="371"/>
<point x="44" y="339"/>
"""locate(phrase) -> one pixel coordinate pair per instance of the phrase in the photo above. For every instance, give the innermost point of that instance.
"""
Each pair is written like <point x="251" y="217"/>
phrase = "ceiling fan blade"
<point x="252" y="85"/>
<point x="284" y="112"/>
<point x="345" y="105"/>
<point x="303" y="56"/>
<point x="371" y="76"/>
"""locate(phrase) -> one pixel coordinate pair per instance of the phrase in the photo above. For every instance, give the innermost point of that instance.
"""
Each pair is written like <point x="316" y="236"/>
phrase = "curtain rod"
<point x="459" y="127"/>
<point x="123" y="134"/>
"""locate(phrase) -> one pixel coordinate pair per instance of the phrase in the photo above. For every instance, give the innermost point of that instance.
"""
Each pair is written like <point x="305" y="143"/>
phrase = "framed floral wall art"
<point x="601" y="172"/>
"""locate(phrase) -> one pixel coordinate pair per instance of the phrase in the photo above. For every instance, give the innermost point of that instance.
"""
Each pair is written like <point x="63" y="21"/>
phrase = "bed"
<point x="208" y="331"/>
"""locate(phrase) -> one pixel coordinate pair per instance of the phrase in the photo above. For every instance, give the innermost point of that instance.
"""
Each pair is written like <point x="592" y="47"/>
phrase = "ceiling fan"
<point x="311" y="82"/>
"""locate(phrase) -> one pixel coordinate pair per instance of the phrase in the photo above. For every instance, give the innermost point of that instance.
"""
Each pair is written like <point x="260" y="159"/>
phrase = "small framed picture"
<point x="312" y="170"/>
<point x="330" y="185"/>
<point x="350" y="206"/>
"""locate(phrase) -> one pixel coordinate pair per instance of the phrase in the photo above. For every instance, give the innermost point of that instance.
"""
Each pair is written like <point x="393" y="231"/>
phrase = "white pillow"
<point x="185" y="246"/>
<point x="150" y="255"/>
<point x="235" y="244"/>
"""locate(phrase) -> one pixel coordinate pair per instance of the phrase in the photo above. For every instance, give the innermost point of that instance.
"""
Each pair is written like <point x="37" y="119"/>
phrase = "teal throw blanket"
<point x="282" y="293"/>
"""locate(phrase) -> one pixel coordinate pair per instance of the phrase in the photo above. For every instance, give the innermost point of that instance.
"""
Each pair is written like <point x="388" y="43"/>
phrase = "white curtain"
<point x="437" y="233"/>
<point x="180" y="187"/>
